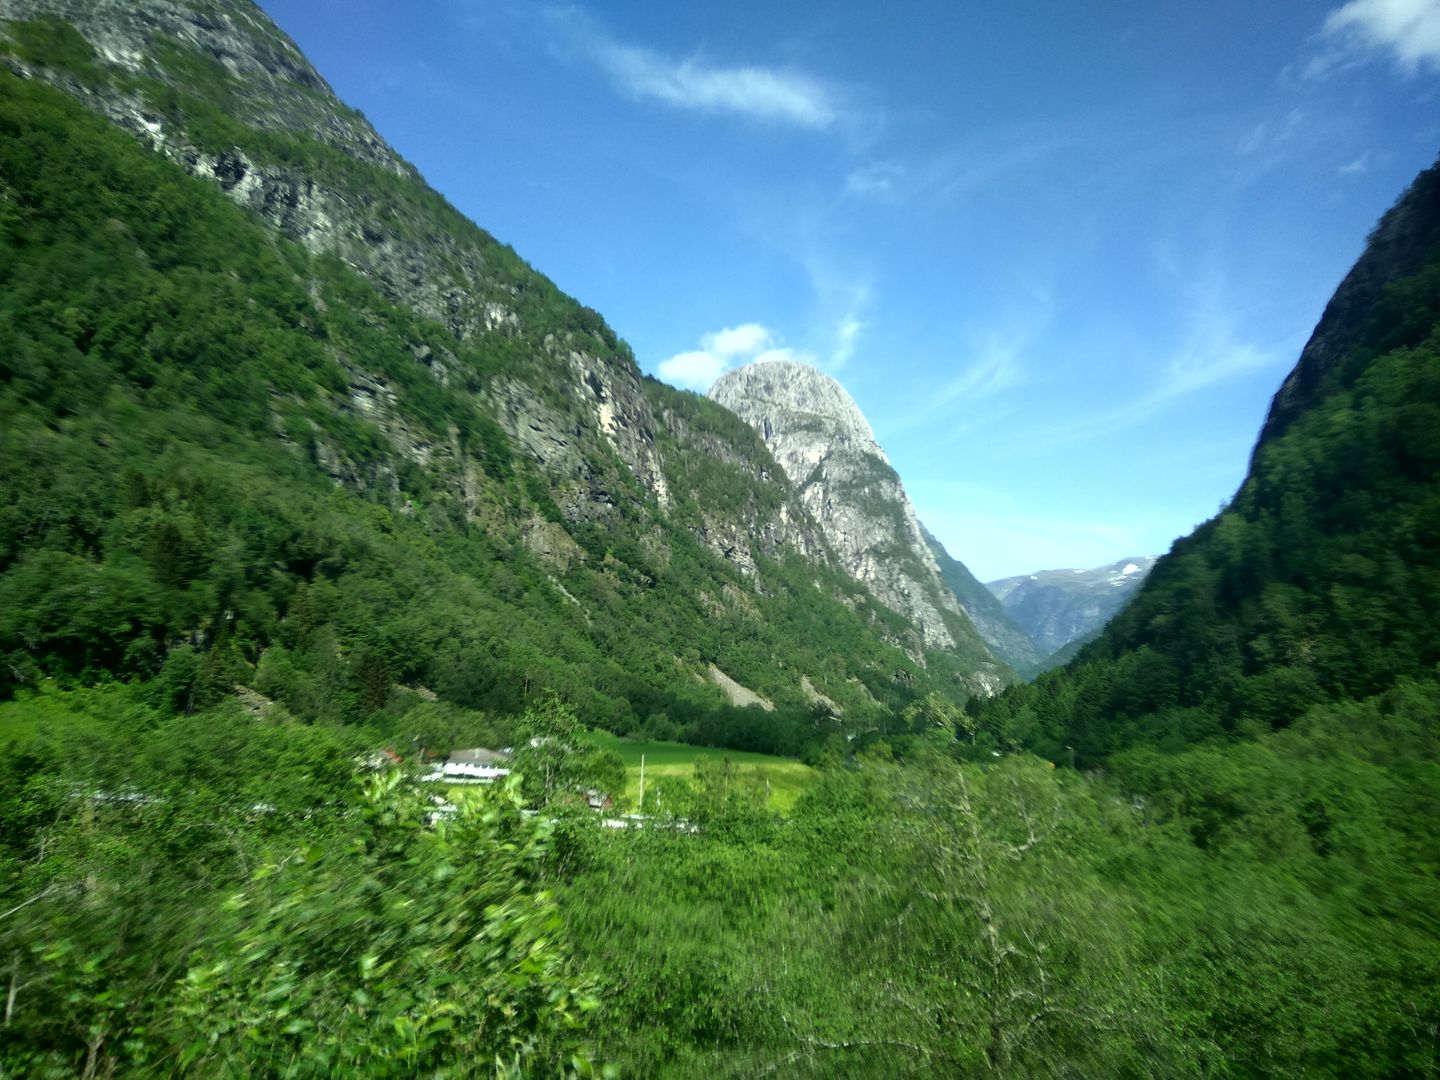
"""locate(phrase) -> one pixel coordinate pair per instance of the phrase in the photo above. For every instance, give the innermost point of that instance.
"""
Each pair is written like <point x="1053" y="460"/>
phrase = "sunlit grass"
<point x="789" y="779"/>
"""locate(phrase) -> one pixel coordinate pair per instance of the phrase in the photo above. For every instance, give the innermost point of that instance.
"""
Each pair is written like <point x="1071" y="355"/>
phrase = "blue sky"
<point x="1061" y="254"/>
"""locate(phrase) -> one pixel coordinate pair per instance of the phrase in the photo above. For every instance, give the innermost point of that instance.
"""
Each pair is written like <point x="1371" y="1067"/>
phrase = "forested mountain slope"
<point x="1321" y="579"/>
<point x="258" y="377"/>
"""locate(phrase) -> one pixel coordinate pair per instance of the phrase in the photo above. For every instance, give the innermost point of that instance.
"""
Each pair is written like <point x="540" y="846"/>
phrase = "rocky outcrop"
<point x="1056" y="607"/>
<point x="290" y="152"/>
<point x="756" y="516"/>
<point x="819" y="437"/>
<point x="740" y="696"/>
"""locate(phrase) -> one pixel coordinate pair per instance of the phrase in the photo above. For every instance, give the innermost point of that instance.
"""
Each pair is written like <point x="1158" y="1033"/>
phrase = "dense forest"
<point x="166" y="508"/>
<point x="1208" y="846"/>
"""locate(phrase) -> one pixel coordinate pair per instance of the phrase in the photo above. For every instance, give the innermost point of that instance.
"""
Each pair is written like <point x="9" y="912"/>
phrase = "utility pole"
<point x="642" y="785"/>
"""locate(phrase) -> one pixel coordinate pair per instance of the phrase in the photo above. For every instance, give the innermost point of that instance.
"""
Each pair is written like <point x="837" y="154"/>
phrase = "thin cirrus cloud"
<point x="770" y="94"/>
<point x="1407" y="30"/>
<point x="1211" y="356"/>
<point x="996" y="362"/>
<point x="995" y="368"/>
<point x="1358" y="166"/>
<point x="847" y="336"/>
<point x="756" y="92"/>
<point x="878" y="180"/>
<point x="697" y="369"/>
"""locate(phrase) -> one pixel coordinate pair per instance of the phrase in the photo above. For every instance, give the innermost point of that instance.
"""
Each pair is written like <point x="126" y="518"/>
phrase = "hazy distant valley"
<point x="1058" y="607"/>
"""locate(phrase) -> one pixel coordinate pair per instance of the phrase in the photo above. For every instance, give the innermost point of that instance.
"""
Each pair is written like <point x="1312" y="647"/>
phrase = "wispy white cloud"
<point x="1211" y="357"/>
<point x="743" y="340"/>
<point x="760" y="93"/>
<point x="1272" y="137"/>
<point x="694" y="370"/>
<point x="993" y="361"/>
<point x="879" y="179"/>
<point x="772" y="94"/>
<point x="847" y="336"/>
<point x="1407" y="30"/>
<point x="697" y="369"/>
<point x="843" y="298"/>
<point x="1212" y="354"/>
<point x="984" y="159"/>
<point x="996" y="367"/>
<point x="787" y="354"/>
<point x="1359" y="165"/>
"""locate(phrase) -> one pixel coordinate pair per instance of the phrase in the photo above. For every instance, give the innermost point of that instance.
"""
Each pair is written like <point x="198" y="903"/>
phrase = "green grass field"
<point x="788" y="778"/>
<point x="31" y="715"/>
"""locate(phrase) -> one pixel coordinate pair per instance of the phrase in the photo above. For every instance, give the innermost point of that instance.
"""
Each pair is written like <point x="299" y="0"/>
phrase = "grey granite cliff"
<point x="818" y="435"/>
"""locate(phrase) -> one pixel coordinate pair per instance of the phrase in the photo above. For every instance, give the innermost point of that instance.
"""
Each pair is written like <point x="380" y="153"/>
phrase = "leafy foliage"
<point x="406" y="946"/>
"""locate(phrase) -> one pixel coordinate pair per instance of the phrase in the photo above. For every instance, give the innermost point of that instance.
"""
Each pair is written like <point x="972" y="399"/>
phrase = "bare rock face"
<point x="818" y="435"/>
<point x="357" y="199"/>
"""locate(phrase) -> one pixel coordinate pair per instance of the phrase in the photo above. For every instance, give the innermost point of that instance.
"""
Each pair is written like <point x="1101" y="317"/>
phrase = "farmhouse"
<point x="474" y="766"/>
<point x="478" y="756"/>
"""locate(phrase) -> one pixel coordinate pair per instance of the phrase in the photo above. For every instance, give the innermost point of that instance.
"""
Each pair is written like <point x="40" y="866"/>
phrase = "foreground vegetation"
<point x="217" y="892"/>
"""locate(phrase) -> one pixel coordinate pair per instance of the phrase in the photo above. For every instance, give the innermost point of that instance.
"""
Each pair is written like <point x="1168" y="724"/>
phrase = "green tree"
<point x="413" y="945"/>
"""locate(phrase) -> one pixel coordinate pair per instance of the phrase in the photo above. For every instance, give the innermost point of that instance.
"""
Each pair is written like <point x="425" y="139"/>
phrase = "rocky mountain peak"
<point x="234" y="38"/>
<point x="790" y="397"/>
<point x="821" y="439"/>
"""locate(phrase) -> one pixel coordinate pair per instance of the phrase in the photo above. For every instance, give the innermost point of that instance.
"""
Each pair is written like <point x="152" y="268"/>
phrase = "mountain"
<point x="1006" y="638"/>
<point x="824" y="445"/>
<point x="279" y="487"/>
<point x="1320" y="580"/>
<point x="1056" y="607"/>
<point x="277" y="416"/>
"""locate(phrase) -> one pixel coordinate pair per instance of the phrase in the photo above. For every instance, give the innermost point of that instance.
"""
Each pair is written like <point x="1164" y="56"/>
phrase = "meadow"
<point x="789" y="779"/>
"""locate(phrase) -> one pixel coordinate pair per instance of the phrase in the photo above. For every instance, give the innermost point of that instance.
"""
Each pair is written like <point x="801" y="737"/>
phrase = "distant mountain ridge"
<point x="1006" y="638"/>
<point x="1057" y="607"/>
